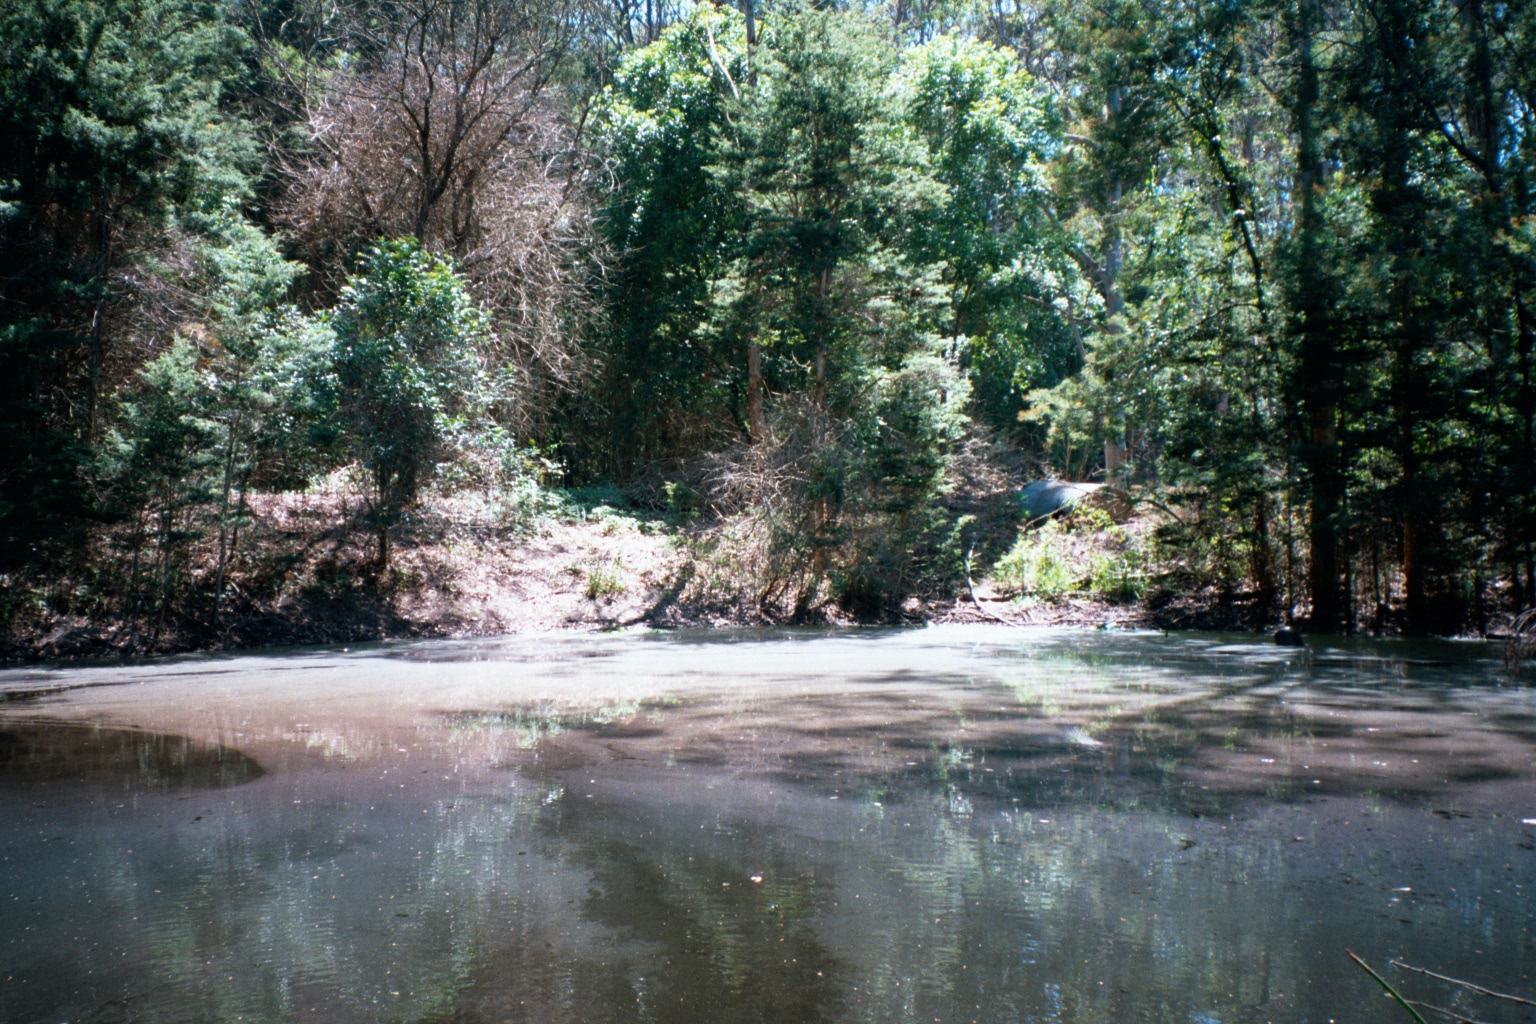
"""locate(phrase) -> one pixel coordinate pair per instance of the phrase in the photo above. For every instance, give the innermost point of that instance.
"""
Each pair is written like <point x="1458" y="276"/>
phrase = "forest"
<point x="814" y="287"/>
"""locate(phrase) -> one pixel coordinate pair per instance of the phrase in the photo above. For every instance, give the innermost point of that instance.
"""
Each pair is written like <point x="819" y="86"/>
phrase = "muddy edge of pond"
<point x="542" y="584"/>
<point x="405" y="616"/>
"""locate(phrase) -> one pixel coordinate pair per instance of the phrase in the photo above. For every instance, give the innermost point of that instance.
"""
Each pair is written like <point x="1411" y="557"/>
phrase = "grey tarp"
<point x="1047" y="497"/>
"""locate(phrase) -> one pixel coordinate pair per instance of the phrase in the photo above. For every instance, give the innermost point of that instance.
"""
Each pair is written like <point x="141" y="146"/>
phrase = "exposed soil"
<point x="305" y="572"/>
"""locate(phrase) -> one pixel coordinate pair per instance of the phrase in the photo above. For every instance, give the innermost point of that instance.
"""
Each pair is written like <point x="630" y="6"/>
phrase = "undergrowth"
<point x="1085" y="554"/>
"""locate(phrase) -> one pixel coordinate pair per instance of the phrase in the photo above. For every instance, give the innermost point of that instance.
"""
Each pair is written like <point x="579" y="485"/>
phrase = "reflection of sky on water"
<point x="945" y="824"/>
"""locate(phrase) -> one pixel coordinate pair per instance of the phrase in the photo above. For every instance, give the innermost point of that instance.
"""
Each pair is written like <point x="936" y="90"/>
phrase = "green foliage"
<point x="163" y="459"/>
<point x="1274" y="268"/>
<point x="405" y="372"/>
<point x="116" y="127"/>
<point x="1086" y="555"/>
<point x="1037" y="565"/>
<point x="1315" y="313"/>
<point x="604" y="580"/>
<point x="990" y="131"/>
<point x="670" y="387"/>
<point x="1120" y="576"/>
<point x="118" y="102"/>
<point x="820" y="229"/>
<point x="221" y="404"/>
<point x="682" y="501"/>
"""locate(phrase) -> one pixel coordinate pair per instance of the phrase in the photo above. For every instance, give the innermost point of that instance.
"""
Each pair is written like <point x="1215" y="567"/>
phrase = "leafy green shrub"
<point x="605" y="580"/>
<point x="1039" y="564"/>
<point x="406" y="372"/>
<point x="1118" y="577"/>
<point x="1085" y="554"/>
<point x="682" y="502"/>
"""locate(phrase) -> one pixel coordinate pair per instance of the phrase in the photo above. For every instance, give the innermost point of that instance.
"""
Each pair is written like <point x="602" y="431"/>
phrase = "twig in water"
<point x="1457" y="1018"/>
<point x="1390" y="990"/>
<point x="1465" y="984"/>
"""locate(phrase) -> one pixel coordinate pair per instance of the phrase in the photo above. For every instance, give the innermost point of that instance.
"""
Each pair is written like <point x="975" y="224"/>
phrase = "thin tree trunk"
<point x="1322" y="531"/>
<point x="1262" y="565"/>
<point x="1415" y="527"/>
<point x="823" y="289"/>
<point x="140" y="532"/>
<point x="1114" y="302"/>
<point x="98" y="357"/>
<point x="1526" y="410"/>
<point x="757" y="422"/>
<point x="229" y="483"/>
<point x="820" y="395"/>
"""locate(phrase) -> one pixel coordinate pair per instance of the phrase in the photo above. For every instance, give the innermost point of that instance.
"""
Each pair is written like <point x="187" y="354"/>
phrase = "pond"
<point x="927" y="825"/>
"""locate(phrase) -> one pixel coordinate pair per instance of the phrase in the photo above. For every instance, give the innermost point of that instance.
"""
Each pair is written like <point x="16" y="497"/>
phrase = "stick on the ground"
<point x="1390" y="990"/>
<point x="972" y="585"/>
<point x="1464" y="984"/>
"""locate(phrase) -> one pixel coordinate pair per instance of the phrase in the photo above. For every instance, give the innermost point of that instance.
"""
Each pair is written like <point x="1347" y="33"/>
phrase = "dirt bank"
<point x="304" y="573"/>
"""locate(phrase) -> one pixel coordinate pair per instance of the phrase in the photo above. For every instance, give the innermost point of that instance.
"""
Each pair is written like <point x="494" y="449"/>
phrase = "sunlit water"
<point x="950" y="824"/>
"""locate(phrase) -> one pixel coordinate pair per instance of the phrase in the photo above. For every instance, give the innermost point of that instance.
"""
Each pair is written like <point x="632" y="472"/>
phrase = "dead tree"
<point x="442" y="124"/>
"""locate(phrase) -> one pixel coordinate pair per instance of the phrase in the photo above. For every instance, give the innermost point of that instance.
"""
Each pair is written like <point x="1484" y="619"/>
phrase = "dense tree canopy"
<point x="1270" y="267"/>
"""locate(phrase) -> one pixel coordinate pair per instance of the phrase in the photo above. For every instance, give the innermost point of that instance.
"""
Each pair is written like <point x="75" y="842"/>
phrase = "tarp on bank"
<point x="1047" y="497"/>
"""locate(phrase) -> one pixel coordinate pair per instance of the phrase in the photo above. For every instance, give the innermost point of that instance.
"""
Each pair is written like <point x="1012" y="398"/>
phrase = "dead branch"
<point x="446" y="129"/>
<point x="1469" y="986"/>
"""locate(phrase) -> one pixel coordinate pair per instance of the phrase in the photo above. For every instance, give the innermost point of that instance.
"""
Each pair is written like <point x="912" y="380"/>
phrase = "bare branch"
<point x="1464" y="984"/>
<point x="444" y="128"/>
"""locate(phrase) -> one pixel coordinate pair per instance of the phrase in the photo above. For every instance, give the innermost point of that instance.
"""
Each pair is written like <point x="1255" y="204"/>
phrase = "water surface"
<point x="948" y="824"/>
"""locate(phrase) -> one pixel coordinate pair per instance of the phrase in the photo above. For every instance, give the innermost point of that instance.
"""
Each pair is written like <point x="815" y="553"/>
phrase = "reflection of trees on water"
<point x="996" y="916"/>
<point x="1065" y="836"/>
<point x="40" y="752"/>
<point x="616" y="909"/>
<point x="703" y="940"/>
<point x="263" y="910"/>
<point x="1138" y="722"/>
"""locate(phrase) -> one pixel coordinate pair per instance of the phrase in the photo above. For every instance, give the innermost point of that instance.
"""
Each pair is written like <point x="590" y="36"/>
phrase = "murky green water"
<point x="950" y="824"/>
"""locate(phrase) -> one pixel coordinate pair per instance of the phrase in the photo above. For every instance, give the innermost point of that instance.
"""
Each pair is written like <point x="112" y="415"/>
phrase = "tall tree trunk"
<point x="1317" y="371"/>
<point x="1407" y="410"/>
<point x="819" y="396"/>
<point x="823" y="290"/>
<point x="1525" y="411"/>
<point x="757" y="423"/>
<point x="230" y="447"/>
<point x="1114" y="302"/>
<point x="1322" y="531"/>
<point x="98" y="345"/>
<point x="101" y="262"/>
<point x="1395" y="203"/>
